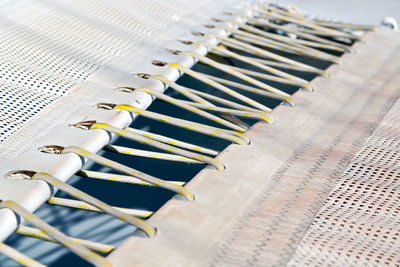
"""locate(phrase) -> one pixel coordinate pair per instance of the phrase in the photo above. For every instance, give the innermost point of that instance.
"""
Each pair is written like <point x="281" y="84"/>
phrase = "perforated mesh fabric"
<point x="49" y="47"/>
<point x="359" y="224"/>
<point x="18" y="105"/>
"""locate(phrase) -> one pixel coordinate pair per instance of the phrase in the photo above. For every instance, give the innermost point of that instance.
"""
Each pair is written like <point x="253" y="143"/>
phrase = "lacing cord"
<point x="131" y="135"/>
<point x="118" y="178"/>
<point x="245" y="41"/>
<point x="150" y="154"/>
<point x="305" y="39"/>
<point x="74" y="192"/>
<point x="18" y="257"/>
<point x="231" y="71"/>
<point x="262" y="22"/>
<point x="239" y="44"/>
<point x="232" y="136"/>
<point x="39" y="234"/>
<point x="61" y="238"/>
<point x="90" y="203"/>
<point x="289" y="48"/>
<point x="343" y="26"/>
<point x="219" y="86"/>
<point x="266" y="68"/>
<point x="196" y="98"/>
<point x="283" y="66"/>
<point x="254" y="89"/>
<point x="201" y="99"/>
<point x="317" y="29"/>
<point x="150" y="231"/>
<point x="269" y="77"/>
<point x="192" y="107"/>
<point x="306" y="24"/>
<point x="180" y="89"/>
<point x="76" y="204"/>
<point x="222" y="101"/>
<point x="239" y="113"/>
<point x="276" y="64"/>
<point x="174" y="142"/>
<point x="264" y="36"/>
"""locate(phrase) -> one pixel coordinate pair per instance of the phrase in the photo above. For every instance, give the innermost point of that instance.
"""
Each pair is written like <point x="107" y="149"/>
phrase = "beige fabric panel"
<point x="359" y="224"/>
<point x="256" y="211"/>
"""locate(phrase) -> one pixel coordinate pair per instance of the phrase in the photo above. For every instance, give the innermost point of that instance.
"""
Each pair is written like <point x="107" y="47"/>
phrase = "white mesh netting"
<point x="18" y="105"/>
<point x="48" y="47"/>
<point x="359" y="224"/>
